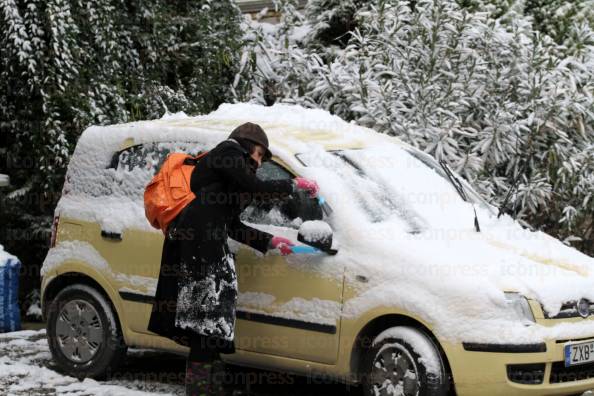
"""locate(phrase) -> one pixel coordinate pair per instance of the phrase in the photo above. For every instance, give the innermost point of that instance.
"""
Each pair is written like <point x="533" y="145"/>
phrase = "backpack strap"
<point x="194" y="160"/>
<point x="190" y="161"/>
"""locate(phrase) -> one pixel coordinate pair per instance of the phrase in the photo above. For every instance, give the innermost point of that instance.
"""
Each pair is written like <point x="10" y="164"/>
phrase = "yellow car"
<point x="429" y="292"/>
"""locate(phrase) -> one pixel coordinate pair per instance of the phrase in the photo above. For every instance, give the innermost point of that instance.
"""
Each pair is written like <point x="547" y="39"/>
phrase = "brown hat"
<point x="254" y="133"/>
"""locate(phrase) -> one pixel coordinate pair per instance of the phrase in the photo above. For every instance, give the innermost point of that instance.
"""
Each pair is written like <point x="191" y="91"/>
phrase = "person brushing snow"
<point x="196" y="292"/>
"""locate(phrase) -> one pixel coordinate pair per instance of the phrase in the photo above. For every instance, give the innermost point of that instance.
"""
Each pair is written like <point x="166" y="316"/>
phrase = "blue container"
<point x="10" y="314"/>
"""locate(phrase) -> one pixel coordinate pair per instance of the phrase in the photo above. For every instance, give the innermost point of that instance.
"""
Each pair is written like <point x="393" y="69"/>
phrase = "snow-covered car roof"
<point x="289" y="129"/>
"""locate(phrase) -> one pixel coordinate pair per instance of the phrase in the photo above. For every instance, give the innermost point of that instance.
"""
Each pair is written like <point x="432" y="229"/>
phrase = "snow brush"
<point x="304" y="249"/>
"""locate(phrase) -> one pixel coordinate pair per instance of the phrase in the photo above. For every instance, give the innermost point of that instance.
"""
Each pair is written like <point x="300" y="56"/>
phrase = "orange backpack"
<point x="169" y="190"/>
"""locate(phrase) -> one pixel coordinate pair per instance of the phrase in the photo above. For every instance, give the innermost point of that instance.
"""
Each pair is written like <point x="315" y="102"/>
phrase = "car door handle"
<point x="111" y="235"/>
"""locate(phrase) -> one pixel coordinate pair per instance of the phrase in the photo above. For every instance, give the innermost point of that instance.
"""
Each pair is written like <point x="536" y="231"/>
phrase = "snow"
<point x="5" y="256"/>
<point x="180" y="115"/>
<point x="398" y="222"/>
<point x="85" y="252"/>
<point x="313" y="310"/>
<point x="74" y="251"/>
<point x="26" y="369"/>
<point x="19" y="192"/>
<point x="257" y="300"/>
<point x="419" y="343"/>
<point x="315" y="230"/>
<point x="34" y="310"/>
<point x="204" y="305"/>
<point x="300" y="33"/>
<point x="4" y="180"/>
<point x="137" y="284"/>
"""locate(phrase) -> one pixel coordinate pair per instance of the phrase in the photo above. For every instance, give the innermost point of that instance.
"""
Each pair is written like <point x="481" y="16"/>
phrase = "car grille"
<point x="568" y="310"/>
<point x="560" y="373"/>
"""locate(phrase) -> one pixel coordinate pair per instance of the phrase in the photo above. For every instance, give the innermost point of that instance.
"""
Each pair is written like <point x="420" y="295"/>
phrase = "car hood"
<point x="456" y="280"/>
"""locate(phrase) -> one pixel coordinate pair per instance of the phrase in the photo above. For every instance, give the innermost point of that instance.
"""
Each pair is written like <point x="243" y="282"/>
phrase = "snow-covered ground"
<point x="26" y="368"/>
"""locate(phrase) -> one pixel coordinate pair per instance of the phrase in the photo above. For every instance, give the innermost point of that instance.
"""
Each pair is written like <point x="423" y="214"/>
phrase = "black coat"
<point x="197" y="288"/>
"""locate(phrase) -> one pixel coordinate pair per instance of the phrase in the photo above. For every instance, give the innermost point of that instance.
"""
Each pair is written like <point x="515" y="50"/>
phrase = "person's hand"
<point x="282" y="244"/>
<point x="306" y="184"/>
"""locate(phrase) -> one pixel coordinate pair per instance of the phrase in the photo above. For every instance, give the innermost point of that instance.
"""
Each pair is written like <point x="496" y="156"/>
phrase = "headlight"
<point x="518" y="304"/>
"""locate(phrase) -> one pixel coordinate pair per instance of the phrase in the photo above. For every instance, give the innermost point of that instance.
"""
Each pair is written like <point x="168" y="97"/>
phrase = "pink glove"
<point x="282" y="244"/>
<point x="306" y="184"/>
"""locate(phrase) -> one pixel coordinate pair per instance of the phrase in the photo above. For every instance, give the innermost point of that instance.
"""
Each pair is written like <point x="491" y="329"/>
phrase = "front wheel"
<point x="404" y="361"/>
<point x="83" y="333"/>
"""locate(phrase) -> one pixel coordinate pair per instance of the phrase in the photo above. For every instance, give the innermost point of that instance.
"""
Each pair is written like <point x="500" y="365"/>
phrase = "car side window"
<point x="288" y="212"/>
<point x="133" y="167"/>
<point x="149" y="156"/>
<point x="139" y="156"/>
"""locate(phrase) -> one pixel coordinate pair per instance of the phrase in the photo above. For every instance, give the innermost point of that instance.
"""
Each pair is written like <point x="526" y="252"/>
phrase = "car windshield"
<point x="396" y="182"/>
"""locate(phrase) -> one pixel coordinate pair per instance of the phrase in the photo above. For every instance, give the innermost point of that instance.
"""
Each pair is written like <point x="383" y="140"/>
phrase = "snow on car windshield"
<point x="391" y="183"/>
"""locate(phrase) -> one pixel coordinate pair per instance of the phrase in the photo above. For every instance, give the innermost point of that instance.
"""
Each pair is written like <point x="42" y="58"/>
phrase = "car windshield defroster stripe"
<point x="244" y="315"/>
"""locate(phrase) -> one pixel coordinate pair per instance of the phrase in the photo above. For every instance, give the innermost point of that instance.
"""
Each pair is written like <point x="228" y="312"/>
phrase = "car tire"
<point x="84" y="335"/>
<point x="403" y="360"/>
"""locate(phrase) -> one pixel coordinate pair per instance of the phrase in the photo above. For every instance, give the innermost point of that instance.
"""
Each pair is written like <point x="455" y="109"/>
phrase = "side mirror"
<point x="318" y="234"/>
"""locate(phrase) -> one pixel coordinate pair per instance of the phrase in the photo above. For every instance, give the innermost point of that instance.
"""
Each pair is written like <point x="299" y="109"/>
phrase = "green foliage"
<point x="559" y="19"/>
<point x="497" y="8"/>
<point x="332" y="20"/>
<point x="67" y="64"/>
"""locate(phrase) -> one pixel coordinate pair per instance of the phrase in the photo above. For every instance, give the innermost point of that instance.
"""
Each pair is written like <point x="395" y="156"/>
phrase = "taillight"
<point x="54" y="231"/>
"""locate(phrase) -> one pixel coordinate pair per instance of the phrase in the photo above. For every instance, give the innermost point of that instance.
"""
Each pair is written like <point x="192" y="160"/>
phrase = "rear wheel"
<point x="84" y="336"/>
<point x="403" y="361"/>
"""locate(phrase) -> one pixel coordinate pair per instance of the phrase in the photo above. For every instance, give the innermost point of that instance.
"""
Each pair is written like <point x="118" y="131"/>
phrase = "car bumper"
<point x="497" y="372"/>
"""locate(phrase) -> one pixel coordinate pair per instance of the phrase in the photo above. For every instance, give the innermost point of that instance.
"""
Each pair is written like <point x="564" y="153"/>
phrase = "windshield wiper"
<point x="461" y="191"/>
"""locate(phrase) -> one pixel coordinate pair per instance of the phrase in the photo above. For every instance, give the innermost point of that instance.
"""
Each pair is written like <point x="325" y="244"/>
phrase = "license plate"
<point x="579" y="353"/>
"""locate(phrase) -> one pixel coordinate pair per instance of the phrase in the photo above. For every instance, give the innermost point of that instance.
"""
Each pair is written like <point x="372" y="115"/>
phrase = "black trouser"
<point x="202" y="349"/>
<point x="204" y="372"/>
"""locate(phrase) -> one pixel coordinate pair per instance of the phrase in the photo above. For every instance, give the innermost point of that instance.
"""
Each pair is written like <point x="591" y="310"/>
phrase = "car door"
<point x="130" y="246"/>
<point x="288" y="305"/>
